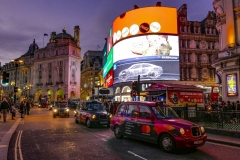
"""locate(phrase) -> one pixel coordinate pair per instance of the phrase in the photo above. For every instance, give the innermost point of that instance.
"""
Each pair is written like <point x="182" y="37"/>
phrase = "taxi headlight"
<point x="93" y="116"/>
<point x="110" y="116"/>
<point x="75" y="112"/>
<point x="202" y="129"/>
<point x="67" y="110"/>
<point x="182" y="131"/>
<point x="55" y="110"/>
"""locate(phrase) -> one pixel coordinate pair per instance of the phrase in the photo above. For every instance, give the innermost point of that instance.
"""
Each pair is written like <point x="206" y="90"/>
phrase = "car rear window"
<point x="94" y="106"/>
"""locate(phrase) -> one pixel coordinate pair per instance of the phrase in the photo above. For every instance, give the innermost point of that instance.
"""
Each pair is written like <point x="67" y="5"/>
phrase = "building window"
<point x="40" y="75"/>
<point x="60" y="63"/>
<point x="63" y="51"/>
<point x="73" y="52"/>
<point x="50" y="75"/>
<point x="38" y="56"/>
<point x="73" y="75"/>
<point x="56" y="52"/>
<point x="61" y="74"/>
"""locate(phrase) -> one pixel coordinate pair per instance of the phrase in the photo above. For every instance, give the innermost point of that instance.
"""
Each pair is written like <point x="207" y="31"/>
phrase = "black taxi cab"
<point x="157" y="123"/>
<point x="60" y="108"/>
<point x="92" y="113"/>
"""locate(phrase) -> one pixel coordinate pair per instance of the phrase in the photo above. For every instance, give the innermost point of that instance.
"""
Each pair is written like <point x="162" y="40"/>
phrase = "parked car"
<point x="92" y="113"/>
<point x="157" y="123"/>
<point x="60" y="108"/>
<point x="143" y="69"/>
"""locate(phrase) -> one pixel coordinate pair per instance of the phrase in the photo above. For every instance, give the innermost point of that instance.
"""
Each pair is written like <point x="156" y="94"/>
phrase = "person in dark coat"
<point x="21" y="109"/>
<point x="4" y="109"/>
<point x="28" y="107"/>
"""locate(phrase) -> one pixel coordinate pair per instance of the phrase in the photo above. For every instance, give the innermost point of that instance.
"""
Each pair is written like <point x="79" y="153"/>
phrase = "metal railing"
<point x="217" y="119"/>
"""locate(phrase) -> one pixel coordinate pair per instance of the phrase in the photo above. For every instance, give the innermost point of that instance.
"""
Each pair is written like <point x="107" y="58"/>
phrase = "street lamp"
<point x="29" y="88"/>
<point x="16" y="62"/>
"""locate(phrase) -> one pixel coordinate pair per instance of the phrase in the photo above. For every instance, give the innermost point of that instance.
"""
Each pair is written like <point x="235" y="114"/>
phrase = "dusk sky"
<point x="21" y="21"/>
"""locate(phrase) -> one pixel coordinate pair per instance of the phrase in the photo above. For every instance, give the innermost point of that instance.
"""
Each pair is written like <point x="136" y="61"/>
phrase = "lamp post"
<point x="16" y="62"/>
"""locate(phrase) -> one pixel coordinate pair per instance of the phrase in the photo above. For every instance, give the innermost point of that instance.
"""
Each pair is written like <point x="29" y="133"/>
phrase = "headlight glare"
<point x="202" y="129"/>
<point x="67" y="110"/>
<point x="55" y="110"/>
<point x="110" y="116"/>
<point x="182" y="131"/>
<point x="93" y="116"/>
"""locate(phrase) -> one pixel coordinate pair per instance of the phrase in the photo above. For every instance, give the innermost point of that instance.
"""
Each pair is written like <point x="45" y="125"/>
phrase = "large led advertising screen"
<point x="146" y="45"/>
<point x="146" y="20"/>
<point x="153" y="57"/>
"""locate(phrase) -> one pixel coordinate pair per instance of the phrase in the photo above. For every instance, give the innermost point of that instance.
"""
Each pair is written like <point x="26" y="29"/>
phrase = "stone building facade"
<point x="51" y="72"/>
<point x="91" y="65"/>
<point x="227" y="60"/>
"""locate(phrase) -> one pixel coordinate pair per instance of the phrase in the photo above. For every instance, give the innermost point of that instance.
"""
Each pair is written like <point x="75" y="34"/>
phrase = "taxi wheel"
<point x="88" y="123"/>
<point x="118" y="132"/>
<point x="167" y="143"/>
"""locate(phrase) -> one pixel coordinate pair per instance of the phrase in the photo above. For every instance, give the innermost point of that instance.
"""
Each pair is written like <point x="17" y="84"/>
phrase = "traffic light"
<point x="133" y="93"/>
<point x="15" y="89"/>
<point x="5" y="78"/>
<point x="134" y="86"/>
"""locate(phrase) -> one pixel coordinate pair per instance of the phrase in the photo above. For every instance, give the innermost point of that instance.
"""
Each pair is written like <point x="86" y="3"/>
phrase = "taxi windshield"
<point x="94" y="106"/>
<point x="164" y="112"/>
<point x="61" y="104"/>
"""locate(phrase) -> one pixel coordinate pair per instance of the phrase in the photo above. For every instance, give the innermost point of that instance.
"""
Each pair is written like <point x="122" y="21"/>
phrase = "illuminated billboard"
<point x="109" y="63"/>
<point x="105" y="54"/>
<point x="109" y="41"/>
<point x="232" y="85"/>
<point x="109" y="78"/>
<point x="146" y="20"/>
<point x="146" y="45"/>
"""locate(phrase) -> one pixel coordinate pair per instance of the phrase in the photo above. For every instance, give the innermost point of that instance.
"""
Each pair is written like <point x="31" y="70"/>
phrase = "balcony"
<point x="39" y="84"/>
<point x="73" y="82"/>
<point x="49" y="83"/>
<point x="61" y="82"/>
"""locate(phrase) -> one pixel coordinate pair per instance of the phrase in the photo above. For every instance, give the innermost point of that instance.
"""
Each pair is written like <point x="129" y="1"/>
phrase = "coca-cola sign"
<point x="109" y="78"/>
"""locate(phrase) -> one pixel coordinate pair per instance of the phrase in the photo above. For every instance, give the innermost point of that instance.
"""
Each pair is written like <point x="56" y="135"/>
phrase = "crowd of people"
<point x="225" y="106"/>
<point x="111" y="107"/>
<point x="7" y="106"/>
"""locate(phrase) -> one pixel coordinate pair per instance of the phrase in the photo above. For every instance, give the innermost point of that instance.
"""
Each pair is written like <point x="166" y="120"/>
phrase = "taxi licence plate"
<point x="198" y="142"/>
<point x="103" y="122"/>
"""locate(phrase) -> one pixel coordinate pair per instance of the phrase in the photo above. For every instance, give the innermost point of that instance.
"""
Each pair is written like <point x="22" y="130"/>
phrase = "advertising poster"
<point x="146" y="20"/>
<point x="148" y="56"/>
<point x="108" y="65"/>
<point x="180" y="99"/>
<point x="232" y="85"/>
<point x="109" y="78"/>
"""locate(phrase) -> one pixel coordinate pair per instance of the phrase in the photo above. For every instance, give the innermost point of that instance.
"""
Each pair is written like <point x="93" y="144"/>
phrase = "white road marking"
<point x="234" y="147"/>
<point x="136" y="155"/>
<point x="97" y="136"/>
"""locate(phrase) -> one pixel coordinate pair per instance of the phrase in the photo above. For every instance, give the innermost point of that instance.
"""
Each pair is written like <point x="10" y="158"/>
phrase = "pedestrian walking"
<point x="28" y="107"/>
<point x="13" y="111"/>
<point x="21" y="109"/>
<point x="4" y="109"/>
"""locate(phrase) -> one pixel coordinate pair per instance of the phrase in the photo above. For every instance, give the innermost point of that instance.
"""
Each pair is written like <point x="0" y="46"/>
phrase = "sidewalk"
<point x="222" y="136"/>
<point x="226" y="140"/>
<point x="6" y="131"/>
